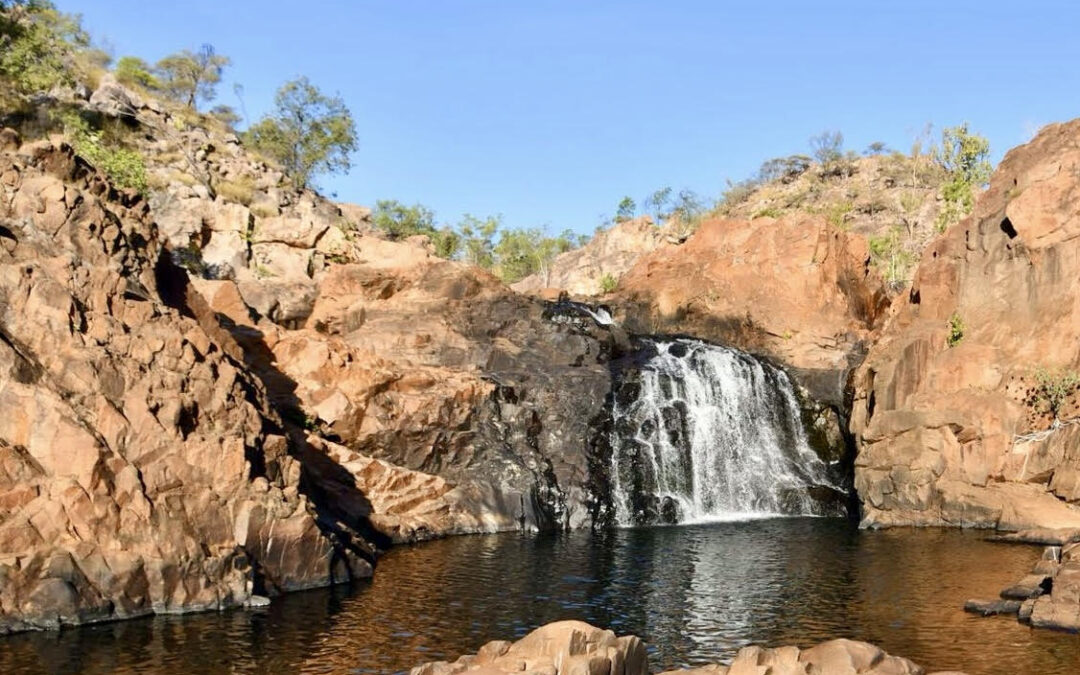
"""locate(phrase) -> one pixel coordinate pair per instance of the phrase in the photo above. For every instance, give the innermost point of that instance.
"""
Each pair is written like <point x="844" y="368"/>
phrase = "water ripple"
<point x="695" y="593"/>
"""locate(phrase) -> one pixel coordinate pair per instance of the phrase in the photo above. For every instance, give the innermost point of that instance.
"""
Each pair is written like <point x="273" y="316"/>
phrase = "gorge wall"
<point x="187" y="428"/>
<point x="945" y="427"/>
<point x="143" y="469"/>
<point x="212" y="395"/>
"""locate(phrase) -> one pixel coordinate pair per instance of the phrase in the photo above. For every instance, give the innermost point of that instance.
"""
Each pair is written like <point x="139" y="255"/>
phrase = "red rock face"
<point x="141" y="468"/>
<point x="940" y="428"/>
<point x="611" y="253"/>
<point x="793" y="289"/>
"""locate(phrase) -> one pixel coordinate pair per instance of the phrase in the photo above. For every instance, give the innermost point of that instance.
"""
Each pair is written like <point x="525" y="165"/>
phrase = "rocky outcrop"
<point x="181" y="441"/>
<point x="608" y="255"/>
<point x="569" y="647"/>
<point x="142" y="468"/>
<point x="560" y="647"/>
<point x="948" y="427"/>
<point x="1048" y="597"/>
<point x="426" y="365"/>
<point x="229" y="213"/>
<point x="795" y="290"/>
<point x="435" y="367"/>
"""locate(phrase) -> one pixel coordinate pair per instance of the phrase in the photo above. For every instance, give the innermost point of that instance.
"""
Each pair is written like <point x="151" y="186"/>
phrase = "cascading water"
<point x="703" y="432"/>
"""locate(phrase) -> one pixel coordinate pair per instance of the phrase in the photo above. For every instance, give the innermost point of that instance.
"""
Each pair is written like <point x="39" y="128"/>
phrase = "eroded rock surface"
<point x="424" y="364"/>
<point x="141" y="467"/>
<point x="943" y="413"/>
<point x="796" y="290"/>
<point x="572" y="647"/>
<point x="609" y="254"/>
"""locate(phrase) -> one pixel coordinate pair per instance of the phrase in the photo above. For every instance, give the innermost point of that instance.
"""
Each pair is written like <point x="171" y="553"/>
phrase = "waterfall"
<point x="703" y="432"/>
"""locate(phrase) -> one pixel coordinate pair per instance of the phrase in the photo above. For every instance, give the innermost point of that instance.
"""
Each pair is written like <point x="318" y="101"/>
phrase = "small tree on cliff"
<point x="626" y="210"/>
<point x="1053" y="388"/>
<point x="131" y="70"/>
<point x="192" y="76"/>
<point x="308" y="132"/>
<point x="965" y="158"/>
<point x="40" y="47"/>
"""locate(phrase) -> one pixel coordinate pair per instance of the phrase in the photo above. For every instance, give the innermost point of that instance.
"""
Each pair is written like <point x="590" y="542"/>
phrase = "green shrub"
<point x="523" y="252"/>
<point x="38" y="47"/>
<point x="447" y="242"/>
<point x="189" y="76"/>
<point x="876" y="148"/>
<point x="769" y="212"/>
<point x="308" y="133"/>
<point x="964" y="159"/>
<point x="784" y="169"/>
<point x="1052" y="388"/>
<point x="399" y="221"/>
<point x="890" y="257"/>
<point x="608" y="283"/>
<point x="125" y="168"/>
<point x="133" y="71"/>
<point x="837" y="213"/>
<point x="956" y="330"/>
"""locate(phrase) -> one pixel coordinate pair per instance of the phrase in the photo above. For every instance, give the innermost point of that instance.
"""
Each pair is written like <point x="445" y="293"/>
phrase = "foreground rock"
<point x="796" y="290"/>
<point x="948" y="429"/>
<point x="574" y="647"/>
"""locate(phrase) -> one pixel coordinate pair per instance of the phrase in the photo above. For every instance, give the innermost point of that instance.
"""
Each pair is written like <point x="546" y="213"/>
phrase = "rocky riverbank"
<point x="1049" y="596"/>
<point x="574" y="647"/>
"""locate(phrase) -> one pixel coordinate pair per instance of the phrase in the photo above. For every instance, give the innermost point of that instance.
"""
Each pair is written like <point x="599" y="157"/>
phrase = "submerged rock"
<point x="992" y="607"/>
<point x="1049" y="597"/>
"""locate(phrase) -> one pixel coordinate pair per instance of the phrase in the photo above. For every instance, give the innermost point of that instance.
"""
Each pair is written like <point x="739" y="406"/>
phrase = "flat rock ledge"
<point x="1048" y="597"/>
<point x="576" y="648"/>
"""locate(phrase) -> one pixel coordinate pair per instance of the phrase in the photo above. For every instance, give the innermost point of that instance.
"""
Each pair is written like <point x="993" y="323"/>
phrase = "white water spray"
<point x="712" y="434"/>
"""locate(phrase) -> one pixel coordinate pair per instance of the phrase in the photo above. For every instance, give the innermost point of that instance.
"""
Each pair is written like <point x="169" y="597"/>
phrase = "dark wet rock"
<point x="1031" y="586"/>
<point x="992" y="607"/>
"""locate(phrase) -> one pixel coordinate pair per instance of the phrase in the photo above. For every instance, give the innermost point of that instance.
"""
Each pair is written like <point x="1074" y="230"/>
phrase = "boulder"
<point x="574" y="647"/>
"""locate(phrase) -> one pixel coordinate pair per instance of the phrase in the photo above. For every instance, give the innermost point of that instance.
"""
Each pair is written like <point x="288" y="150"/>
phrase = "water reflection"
<point x="695" y="593"/>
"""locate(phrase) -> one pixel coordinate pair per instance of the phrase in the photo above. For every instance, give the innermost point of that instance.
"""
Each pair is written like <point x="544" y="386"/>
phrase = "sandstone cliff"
<point x="943" y="413"/>
<point x="796" y="290"/>
<point x="608" y="255"/>
<point x="142" y="467"/>
<point x="207" y="401"/>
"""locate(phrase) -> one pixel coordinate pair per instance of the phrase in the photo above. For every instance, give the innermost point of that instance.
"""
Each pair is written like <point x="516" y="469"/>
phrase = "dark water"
<point x="695" y="593"/>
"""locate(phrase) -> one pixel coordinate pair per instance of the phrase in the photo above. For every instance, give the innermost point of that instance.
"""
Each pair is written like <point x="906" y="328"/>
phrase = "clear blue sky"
<point x="550" y="111"/>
